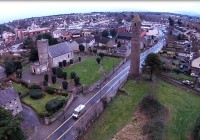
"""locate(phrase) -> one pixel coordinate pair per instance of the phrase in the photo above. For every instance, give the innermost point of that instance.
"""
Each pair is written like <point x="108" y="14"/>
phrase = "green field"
<point x="89" y="71"/>
<point x="39" y="104"/>
<point x="183" y="105"/>
<point x="19" y="88"/>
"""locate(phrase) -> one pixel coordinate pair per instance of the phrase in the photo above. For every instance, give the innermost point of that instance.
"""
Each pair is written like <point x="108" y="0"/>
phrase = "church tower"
<point x="42" y="46"/>
<point x="135" y="48"/>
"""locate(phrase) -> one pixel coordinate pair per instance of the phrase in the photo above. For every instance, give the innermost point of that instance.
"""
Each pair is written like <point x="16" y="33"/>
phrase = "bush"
<point x="44" y="114"/>
<point x="19" y="73"/>
<point x="65" y="85"/>
<point x="46" y="77"/>
<point x="73" y="75"/>
<point x="45" y="83"/>
<point x="59" y="72"/>
<point x="77" y="80"/>
<point x="98" y="60"/>
<point x="50" y="90"/>
<point x="23" y="83"/>
<point x="64" y="75"/>
<point x="34" y="86"/>
<point x="65" y="94"/>
<point x="60" y="64"/>
<point x="79" y="59"/>
<point x="101" y="55"/>
<point x="95" y="51"/>
<point x="71" y="61"/>
<point x="54" y="105"/>
<point x="35" y="93"/>
<point x="64" y="63"/>
<point x="53" y="79"/>
<point x="54" y="70"/>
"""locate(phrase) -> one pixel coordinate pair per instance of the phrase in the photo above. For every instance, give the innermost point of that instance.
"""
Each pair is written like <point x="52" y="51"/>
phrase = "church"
<point x="50" y="56"/>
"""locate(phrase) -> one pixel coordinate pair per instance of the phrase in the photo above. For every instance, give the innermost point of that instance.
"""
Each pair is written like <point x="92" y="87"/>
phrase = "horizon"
<point x="22" y="9"/>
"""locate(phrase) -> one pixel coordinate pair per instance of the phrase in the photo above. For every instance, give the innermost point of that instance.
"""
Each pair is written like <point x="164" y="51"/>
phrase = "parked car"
<point x="187" y="82"/>
<point x="78" y="111"/>
<point x="194" y="75"/>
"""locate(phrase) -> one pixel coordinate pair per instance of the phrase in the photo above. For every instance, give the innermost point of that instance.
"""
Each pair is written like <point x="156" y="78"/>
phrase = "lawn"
<point x="57" y="86"/>
<point x="19" y="88"/>
<point x="88" y="70"/>
<point x="181" y="76"/>
<point x="39" y="104"/>
<point x="183" y="106"/>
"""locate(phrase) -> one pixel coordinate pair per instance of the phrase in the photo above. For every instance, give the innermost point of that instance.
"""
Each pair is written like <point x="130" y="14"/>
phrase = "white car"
<point x="194" y="75"/>
<point x="78" y="111"/>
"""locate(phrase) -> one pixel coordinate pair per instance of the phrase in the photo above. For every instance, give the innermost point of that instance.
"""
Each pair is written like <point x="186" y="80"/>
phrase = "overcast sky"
<point x="11" y="10"/>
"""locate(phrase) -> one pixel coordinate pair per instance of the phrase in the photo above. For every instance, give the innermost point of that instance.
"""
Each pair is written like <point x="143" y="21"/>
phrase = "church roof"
<point x="59" y="49"/>
<point x="7" y="95"/>
<point x="136" y="18"/>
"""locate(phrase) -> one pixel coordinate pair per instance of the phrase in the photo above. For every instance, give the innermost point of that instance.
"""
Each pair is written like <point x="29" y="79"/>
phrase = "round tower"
<point x="135" y="48"/>
<point x="42" y="46"/>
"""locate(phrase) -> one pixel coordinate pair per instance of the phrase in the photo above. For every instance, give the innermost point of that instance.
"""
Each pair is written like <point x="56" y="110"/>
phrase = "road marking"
<point x="58" y="127"/>
<point x="86" y="112"/>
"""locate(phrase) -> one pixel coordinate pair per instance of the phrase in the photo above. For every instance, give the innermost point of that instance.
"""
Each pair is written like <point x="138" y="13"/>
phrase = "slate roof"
<point x="80" y="40"/>
<point x="59" y="49"/>
<point x="89" y="38"/>
<point x="102" y="40"/>
<point x="7" y="95"/>
<point x="124" y="35"/>
<point x="2" y="73"/>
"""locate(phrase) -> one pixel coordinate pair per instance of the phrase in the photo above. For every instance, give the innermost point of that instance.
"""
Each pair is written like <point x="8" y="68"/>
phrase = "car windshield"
<point x="76" y="113"/>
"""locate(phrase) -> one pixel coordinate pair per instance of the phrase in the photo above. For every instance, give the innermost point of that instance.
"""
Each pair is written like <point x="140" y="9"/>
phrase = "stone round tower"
<point x="135" y="48"/>
<point x="42" y="46"/>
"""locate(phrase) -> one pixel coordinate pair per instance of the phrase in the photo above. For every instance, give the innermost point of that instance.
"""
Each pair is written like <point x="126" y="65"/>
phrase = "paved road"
<point x="63" y="132"/>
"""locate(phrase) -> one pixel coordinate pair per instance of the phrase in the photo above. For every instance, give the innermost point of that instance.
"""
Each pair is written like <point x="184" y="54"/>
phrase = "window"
<point x="17" y="107"/>
<point x="135" y="24"/>
<point x="68" y="55"/>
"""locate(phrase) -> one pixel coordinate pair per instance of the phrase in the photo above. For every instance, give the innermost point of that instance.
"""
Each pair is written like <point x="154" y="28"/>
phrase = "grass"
<point x="19" y="88"/>
<point x="88" y="70"/>
<point x="26" y="67"/>
<point x="57" y="86"/>
<point x="183" y="106"/>
<point x="39" y="104"/>
<point x="185" y="77"/>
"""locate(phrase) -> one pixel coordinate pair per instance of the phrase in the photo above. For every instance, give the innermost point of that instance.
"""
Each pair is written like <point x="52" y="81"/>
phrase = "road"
<point x="63" y="131"/>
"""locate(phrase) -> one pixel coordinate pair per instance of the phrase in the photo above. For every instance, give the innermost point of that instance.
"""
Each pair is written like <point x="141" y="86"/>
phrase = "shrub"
<point x="64" y="75"/>
<point x="50" y="90"/>
<point x="73" y="75"/>
<point x="60" y="64"/>
<point x="98" y="60"/>
<point x="64" y="94"/>
<point x="23" y="83"/>
<point x="34" y="86"/>
<point x="59" y="72"/>
<point x="53" y="79"/>
<point x="65" y="85"/>
<point x="101" y="55"/>
<point x="95" y="51"/>
<point x="45" y="83"/>
<point x="54" y="105"/>
<point x="64" y="63"/>
<point x="35" y="93"/>
<point x="46" y="77"/>
<point x="19" y="73"/>
<point x="77" y="80"/>
<point x="44" y="114"/>
<point x="71" y="61"/>
<point x="54" y="70"/>
<point x="79" y="59"/>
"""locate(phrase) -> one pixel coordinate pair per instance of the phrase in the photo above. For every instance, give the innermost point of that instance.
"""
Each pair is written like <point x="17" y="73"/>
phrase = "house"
<point x="9" y="100"/>
<point x="103" y="41"/>
<point x="87" y="42"/>
<point x="50" y="56"/>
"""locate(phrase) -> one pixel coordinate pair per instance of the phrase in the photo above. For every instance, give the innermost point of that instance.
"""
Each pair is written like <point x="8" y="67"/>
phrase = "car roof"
<point x="79" y="108"/>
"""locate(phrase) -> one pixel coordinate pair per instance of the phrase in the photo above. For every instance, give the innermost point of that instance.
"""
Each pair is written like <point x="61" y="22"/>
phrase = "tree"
<point x="19" y="73"/>
<point x="36" y="93"/>
<point x="54" y="70"/>
<point x="33" y="56"/>
<point x="59" y="72"/>
<point x="29" y="43"/>
<point x="60" y="64"/>
<point x="73" y="75"/>
<point x="113" y="32"/>
<point x="46" y="77"/>
<point x="101" y="55"/>
<point x="18" y="64"/>
<point x="152" y="63"/>
<point x="65" y="85"/>
<point x="98" y="60"/>
<point x="10" y="126"/>
<point x="119" y="44"/>
<point x="171" y="22"/>
<point x="71" y="61"/>
<point x="9" y="68"/>
<point x="82" y="48"/>
<point x="53" y="79"/>
<point x="77" y="80"/>
<point x="64" y="63"/>
<point x="179" y="22"/>
<point x="64" y="75"/>
<point x="105" y="33"/>
<point x="52" y="41"/>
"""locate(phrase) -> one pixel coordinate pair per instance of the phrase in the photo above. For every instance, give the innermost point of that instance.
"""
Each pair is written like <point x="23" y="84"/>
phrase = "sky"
<point x="12" y="10"/>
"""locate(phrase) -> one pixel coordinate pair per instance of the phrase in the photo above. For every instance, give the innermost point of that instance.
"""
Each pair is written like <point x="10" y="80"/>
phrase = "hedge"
<point x="35" y="93"/>
<point x="54" y="105"/>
